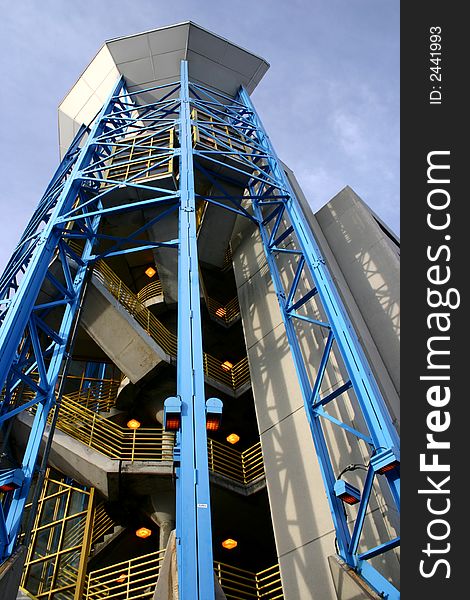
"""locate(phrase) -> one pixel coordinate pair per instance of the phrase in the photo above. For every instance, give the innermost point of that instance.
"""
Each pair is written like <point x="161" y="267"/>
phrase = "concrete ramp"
<point x="117" y="327"/>
<point x="118" y="334"/>
<point x="166" y="259"/>
<point x="217" y="227"/>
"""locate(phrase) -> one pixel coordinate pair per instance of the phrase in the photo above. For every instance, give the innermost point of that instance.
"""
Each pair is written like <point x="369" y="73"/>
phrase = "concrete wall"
<point x="370" y="263"/>
<point x="302" y="522"/>
<point x="365" y="265"/>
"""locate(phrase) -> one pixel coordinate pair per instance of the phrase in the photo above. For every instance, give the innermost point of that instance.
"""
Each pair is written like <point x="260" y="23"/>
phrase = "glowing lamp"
<point x="227" y="365"/>
<point x="143" y="532"/>
<point x="346" y="492"/>
<point x="229" y="544"/>
<point x="388" y="467"/>
<point x="233" y="438"/>
<point x="122" y="578"/>
<point x="221" y="312"/>
<point x="11" y="480"/>
<point x="8" y="487"/>
<point x="384" y="462"/>
<point x="213" y="414"/>
<point x="133" y="424"/>
<point x="172" y="414"/>
<point x="150" y="272"/>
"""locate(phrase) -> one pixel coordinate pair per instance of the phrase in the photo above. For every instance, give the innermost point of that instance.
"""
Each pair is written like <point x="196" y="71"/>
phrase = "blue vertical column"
<point x="193" y="512"/>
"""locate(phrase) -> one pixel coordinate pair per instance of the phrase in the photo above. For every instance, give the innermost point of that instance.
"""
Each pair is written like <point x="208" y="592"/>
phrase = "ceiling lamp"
<point x="227" y="365"/>
<point x="150" y="272"/>
<point x="143" y="532"/>
<point x="221" y="312"/>
<point x="229" y="544"/>
<point x="133" y="424"/>
<point x="233" y="438"/>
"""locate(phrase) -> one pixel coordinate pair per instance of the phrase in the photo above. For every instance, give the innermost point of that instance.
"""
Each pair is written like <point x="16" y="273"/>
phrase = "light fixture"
<point x="150" y="272"/>
<point x="229" y="544"/>
<point x="227" y="365"/>
<point x="221" y="312"/>
<point x="133" y="424"/>
<point x="213" y="414"/>
<point x="8" y="487"/>
<point x="122" y="578"/>
<point x="346" y="492"/>
<point x="11" y="480"/>
<point x="143" y="532"/>
<point x="389" y="467"/>
<point x="233" y="438"/>
<point x="172" y="414"/>
<point x="384" y="461"/>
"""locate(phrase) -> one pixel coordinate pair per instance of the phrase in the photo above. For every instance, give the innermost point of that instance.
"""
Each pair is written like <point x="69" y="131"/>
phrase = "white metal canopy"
<point x="153" y="58"/>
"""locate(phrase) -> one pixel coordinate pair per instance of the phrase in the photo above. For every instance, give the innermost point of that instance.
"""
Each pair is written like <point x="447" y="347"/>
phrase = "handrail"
<point x="226" y="313"/>
<point x="223" y="313"/>
<point x="102" y="523"/>
<point x="145" y="158"/>
<point x="244" y="467"/>
<point x="155" y="444"/>
<point x="111" y="439"/>
<point x="234" y="376"/>
<point x="100" y="396"/>
<point x="150" y="291"/>
<point x="137" y="578"/>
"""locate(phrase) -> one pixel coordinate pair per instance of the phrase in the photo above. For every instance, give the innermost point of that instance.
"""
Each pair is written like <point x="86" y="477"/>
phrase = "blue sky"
<point x="330" y="100"/>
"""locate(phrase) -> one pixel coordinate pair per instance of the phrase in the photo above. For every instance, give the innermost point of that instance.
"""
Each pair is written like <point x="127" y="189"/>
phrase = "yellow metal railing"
<point x="146" y="158"/>
<point x="100" y="396"/>
<point x="244" y="467"/>
<point x="233" y="376"/>
<point x="111" y="439"/>
<point x="55" y="562"/>
<point x="134" y="578"/>
<point x="102" y="523"/>
<point x="137" y="578"/>
<point x="150" y="291"/>
<point x="252" y="463"/>
<point x="210" y="132"/>
<point x="227" y="313"/>
<point x="122" y="443"/>
<point x="238" y="584"/>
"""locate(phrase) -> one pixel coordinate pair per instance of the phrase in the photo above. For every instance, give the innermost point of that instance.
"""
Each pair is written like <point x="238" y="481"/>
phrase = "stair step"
<point x="107" y="539"/>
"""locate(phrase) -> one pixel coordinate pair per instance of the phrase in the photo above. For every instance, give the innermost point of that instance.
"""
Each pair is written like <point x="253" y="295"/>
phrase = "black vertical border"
<point x="426" y="128"/>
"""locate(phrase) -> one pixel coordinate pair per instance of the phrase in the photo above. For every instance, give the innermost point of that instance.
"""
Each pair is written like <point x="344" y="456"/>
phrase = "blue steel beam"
<point x="193" y="512"/>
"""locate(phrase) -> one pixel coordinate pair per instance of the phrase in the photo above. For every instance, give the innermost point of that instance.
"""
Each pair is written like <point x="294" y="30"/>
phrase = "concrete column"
<point x="163" y="507"/>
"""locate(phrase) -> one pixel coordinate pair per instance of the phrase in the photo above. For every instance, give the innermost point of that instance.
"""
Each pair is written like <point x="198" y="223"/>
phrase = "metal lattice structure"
<point x="181" y="131"/>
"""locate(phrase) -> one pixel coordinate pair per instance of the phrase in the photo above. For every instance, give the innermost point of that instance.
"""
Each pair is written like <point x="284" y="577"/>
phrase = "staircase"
<point x="136" y="341"/>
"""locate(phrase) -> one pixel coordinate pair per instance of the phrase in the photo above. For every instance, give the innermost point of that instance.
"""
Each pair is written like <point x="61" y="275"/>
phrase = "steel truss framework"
<point x="221" y="140"/>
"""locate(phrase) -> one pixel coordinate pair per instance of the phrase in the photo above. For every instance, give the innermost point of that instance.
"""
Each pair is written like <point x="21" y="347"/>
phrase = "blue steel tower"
<point x="167" y="166"/>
